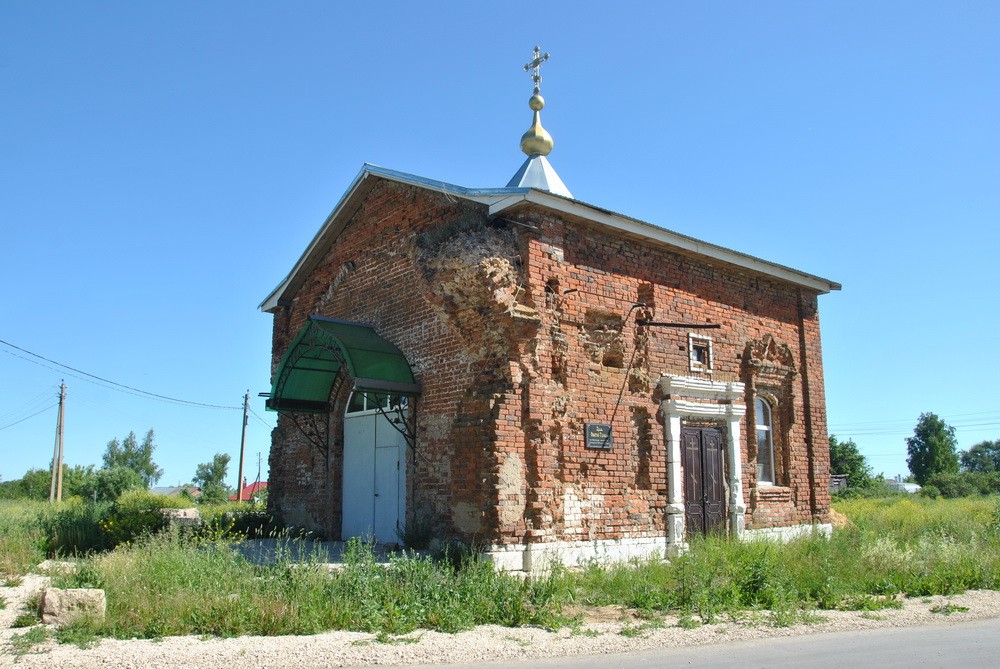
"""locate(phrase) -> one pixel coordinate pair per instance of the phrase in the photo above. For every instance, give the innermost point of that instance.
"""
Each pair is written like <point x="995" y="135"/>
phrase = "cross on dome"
<point x="536" y="172"/>
<point x="535" y="67"/>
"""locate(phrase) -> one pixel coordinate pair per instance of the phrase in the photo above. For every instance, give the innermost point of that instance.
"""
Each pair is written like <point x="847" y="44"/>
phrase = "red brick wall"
<point x="512" y="366"/>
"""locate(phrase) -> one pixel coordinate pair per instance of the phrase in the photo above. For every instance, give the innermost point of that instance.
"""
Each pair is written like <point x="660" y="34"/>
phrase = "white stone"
<point x="182" y="515"/>
<point x="61" y="607"/>
<point x="56" y="567"/>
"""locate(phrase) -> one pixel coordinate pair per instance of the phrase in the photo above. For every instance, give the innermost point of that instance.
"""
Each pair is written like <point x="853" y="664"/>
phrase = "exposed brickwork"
<point x="521" y="334"/>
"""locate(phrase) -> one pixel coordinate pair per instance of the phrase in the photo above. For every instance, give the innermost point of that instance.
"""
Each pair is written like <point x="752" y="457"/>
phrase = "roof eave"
<point x="502" y="199"/>
<point x="645" y="230"/>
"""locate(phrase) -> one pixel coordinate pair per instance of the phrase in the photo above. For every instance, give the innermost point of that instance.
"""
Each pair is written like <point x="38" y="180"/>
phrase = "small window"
<point x="356" y="403"/>
<point x="700" y="353"/>
<point x="765" y="441"/>
<point x="369" y="401"/>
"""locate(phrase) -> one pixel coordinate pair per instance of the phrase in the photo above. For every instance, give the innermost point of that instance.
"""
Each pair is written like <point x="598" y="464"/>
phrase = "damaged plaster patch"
<point x="511" y="490"/>
<point x="579" y="509"/>
<point x="601" y="337"/>
<point x="436" y="427"/>
<point x="298" y="516"/>
<point x="474" y="271"/>
<point x="467" y="518"/>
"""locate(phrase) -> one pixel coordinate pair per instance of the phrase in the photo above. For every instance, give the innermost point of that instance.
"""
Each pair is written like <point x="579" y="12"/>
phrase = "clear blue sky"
<point x="163" y="165"/>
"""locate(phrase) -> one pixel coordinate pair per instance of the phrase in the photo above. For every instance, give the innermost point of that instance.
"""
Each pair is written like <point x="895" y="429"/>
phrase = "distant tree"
<point x="845" y="458"/>
<point x="964" y="484"/>
<point x="108" y="484"/>
<point x="211" y="477"/>
<point x="983" y="457"/>
<point x="77" y="480"/>
<point x="931" y="449"/>
<point x="35" y="484"/>
<point x="132" y="455"/>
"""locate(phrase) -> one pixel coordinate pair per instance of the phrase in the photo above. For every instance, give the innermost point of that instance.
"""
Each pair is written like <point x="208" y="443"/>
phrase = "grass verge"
<point x="171" y="585"/>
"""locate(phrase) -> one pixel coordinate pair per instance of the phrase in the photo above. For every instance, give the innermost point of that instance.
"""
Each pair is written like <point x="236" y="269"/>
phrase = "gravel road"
<point x="603" y="634"/>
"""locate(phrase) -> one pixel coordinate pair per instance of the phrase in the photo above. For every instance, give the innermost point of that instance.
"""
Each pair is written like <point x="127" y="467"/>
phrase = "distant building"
<point x="903" y="486"/>
<point x="177" y="490"/>
<point x="250" y="491"/>
<point x="837" y="482"/>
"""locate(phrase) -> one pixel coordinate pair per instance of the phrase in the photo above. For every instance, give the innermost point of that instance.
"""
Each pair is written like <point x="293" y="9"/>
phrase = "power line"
<point x="27" y="417"/>
<point x="31" y="405"/>
<point x="967" y="427"/>
<point x="115" y="384"/>
<point x="262" y="421"/>
<point x="887" y="423"/>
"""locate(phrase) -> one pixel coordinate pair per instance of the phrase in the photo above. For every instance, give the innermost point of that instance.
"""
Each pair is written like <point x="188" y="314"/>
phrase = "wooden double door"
<point x="702" y="455"/>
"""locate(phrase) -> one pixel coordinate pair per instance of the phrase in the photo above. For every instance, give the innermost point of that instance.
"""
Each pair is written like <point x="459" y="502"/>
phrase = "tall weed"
<point x="171" y="584"/>
<point x="21" y="538"/>
<point x="75" y="528"/>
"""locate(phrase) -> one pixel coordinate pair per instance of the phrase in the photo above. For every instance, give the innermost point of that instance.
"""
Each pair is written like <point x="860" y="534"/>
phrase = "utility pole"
<point x="55" y="487"/>
<point x="243" y="443"/>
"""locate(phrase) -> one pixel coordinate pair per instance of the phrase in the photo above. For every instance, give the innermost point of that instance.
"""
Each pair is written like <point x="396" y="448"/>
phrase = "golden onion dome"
<point x="537" y="140"/>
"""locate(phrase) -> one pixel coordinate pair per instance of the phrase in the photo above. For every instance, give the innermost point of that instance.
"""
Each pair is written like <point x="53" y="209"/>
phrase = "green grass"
<point x="948" y="609"/>
<point x="22" y="644"/>
<point x="894" y="547"/>
<point x="171" y="586"/>
<point x="25" y="620"/>
<point x="175" y="585"/>
<point x="20" y="536"/>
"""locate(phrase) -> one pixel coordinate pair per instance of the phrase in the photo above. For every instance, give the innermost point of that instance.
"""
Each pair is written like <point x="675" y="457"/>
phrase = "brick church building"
<point x="547" y="378"/>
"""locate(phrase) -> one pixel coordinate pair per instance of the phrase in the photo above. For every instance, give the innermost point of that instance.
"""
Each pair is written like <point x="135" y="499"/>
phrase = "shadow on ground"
<point x="270" y="551"/>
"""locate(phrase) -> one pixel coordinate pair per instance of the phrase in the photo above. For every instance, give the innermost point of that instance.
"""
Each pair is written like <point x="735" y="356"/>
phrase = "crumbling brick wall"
<point x="432" y="276"/>
<point x="522" y="330"/>
<point x="590" y="353"/>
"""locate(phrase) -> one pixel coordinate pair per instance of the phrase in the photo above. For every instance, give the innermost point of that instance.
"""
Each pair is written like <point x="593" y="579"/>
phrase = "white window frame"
<point x="696" y="365"/>
<point x="764" y="424"/>
<point x="371" y="407"/>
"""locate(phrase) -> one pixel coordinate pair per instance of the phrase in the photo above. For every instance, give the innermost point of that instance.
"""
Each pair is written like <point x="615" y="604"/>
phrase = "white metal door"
<point x="374" y="482"/>
<point x="359" y="479"/>
<point x="386" y="493"/>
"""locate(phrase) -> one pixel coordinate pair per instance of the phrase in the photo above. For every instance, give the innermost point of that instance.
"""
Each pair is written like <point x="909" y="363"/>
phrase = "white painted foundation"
<point x="784" y="534"/>
<point x="540" y="556"/>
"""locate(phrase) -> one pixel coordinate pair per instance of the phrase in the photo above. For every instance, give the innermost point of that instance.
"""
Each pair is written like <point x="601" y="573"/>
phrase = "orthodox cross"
<point x="536" y="66"/>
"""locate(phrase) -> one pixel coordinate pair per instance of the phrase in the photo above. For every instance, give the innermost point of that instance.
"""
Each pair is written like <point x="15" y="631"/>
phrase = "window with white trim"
<point x="700" y="353"/>
<point x="765" y="441"/>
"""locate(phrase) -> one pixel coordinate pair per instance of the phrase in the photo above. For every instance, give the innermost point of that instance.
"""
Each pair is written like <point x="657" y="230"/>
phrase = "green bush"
<point x="930" y="491"/>
<point x="239" y="520"/>
<point x="136" y="514"/>
<point x="965" y="484"/>
<point x="75" y="528"/>
<point x="107" y="485"/>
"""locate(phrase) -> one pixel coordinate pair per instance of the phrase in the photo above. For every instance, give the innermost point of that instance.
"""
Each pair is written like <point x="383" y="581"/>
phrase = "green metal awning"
<point x="323" y="352"/>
